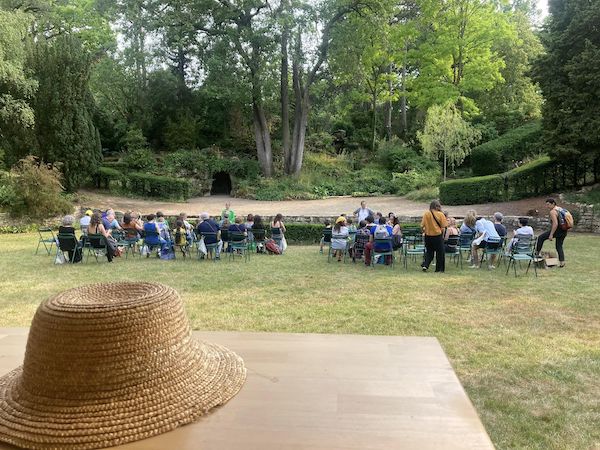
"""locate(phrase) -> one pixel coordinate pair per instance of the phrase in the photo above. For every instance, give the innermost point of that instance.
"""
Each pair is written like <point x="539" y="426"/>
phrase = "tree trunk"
<point x="299" y="134"/>
<point x="262" y="138"/>
<point x="445" y="164"/>
<point x="374" y="129"/>
<point x="390" y="107"/>
<point x="403" y="98"/>
<point x="285" y="98"/>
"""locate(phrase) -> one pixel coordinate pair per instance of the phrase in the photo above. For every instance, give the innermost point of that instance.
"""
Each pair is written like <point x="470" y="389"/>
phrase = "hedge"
<point x="511" y="147"/>
<point x="303" y="233"/>
<point x="148" y="185"/>
<point x="105" y="176"/>
<point x="537" y="177"/>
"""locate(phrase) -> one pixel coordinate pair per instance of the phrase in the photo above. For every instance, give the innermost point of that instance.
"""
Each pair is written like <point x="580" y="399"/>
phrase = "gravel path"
<point x="326" y="207"/>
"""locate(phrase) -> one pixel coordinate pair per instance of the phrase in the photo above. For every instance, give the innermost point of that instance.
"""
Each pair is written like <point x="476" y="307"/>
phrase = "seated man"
<point x="363" y="236"/>
<point x="524" y="231"/>
<point x="378" y="232"/>
<point x="208" y="225"/>
<point x="109" y="220"/>
<point x="501" y="229"/>
<point x="486" y="232"/>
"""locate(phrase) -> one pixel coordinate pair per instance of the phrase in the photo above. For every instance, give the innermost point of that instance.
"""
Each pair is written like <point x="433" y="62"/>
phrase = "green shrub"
<point x="14" y="229"/>
<point x="303" y="233"/>
<point x="531" y="179"/>
<point x="320" y="142"/>
<point x="139" y="159"/>
<point x="466" y="191"/>
<point x="399" y="157"/>
<point x="413" y="179"/>
<point x="148" y="185"/>
<point x="426" y="194"/>
<point x="38" y="189"/>
<point x="107" y="176"/>
<point x="502" y="153"/>
<point x="182" y="132"/>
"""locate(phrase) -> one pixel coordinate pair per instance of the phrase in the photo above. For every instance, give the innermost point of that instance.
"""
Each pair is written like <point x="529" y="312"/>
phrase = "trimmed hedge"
<point x="148" y="185"/>
<point x="537" y="177"/>
<point x="106" y="175"/>
<point x="303" y="233"/>
<point x="511" y="147"/>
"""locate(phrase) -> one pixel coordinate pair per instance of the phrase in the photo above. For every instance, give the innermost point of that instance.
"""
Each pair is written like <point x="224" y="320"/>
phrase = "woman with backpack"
<point x="433" y="225"/>
<point x="561" y="221"/>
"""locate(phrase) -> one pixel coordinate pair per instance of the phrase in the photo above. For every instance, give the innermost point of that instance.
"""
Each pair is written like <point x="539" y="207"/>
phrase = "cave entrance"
<point x="221" y="184"/>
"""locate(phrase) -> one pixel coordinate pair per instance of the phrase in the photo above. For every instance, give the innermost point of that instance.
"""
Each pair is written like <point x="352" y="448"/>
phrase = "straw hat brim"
<point x="210" y="376"/>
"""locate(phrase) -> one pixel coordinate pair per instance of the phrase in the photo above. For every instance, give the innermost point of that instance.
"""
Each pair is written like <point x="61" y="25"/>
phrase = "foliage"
<point x="510" y="148"/>
<point x="426" y="194"/>
<point x="447" y="135"/>
<point x="16" y="85"/>
<point x="569" y="76"/>
<point x="139" y="159"/>
<point x="303" y="233"/>
<point x="38" y="190"/>
<point x="181" y="132"/>
<point x="63" y="107"/>
<point x="204" y="163"/>
<point x="589" y="197"/>
<point x="399" y="157"/>
<point x="411" y="180"/>
<point x="149" y="185"/>
<point x="107" y="176"/>
<point x="540" y="176"/>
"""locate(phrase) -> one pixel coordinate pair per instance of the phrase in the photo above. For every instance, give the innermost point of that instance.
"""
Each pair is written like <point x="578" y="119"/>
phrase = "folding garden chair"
<point x="375" y="254"/>
<point x="225" y="239"/>
<point x="130" y="240"/>
<point x="47" y="238"/>
<point x="345" y="249"/>
<point x="238" y="245"/>
<point x="326" y="240"/>
<point x="465" y="243"/>
<point x="360" y="240"/>
<point x="522" y="250"/>
<point x="452" y="248"/>
<point x="153" y="236"/>
<point x="68" y="243"/>
<point x="493" y="247"/>
<point x="211" y="249"/>
<point x="259" y="239"/>
<point x="412" y="247"/>
<point x="97" y="246"/>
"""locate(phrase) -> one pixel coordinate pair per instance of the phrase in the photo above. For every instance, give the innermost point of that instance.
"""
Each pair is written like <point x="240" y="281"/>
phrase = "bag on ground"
<point x="202" y="247"/>
<point x="272" y="247"/>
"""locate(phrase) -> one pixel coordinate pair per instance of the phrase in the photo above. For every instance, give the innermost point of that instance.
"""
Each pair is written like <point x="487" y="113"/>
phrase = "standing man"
<point x="363" y="212"/>
<point x="228" y="213"/>
<point x="555" y="232"/>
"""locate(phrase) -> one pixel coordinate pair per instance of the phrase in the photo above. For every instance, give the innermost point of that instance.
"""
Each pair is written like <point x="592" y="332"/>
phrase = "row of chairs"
<point x="413" y="248"/>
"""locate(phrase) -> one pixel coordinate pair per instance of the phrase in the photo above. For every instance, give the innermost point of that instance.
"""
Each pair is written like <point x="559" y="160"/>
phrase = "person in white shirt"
<point x="485" y="230"/>
<point x="524" y="231"/>
<point x="363" y="212"/>
<point x="84" y="222"/>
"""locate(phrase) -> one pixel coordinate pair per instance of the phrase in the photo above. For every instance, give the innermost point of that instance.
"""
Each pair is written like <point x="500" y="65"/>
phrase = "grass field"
<point x="527" y="350"/>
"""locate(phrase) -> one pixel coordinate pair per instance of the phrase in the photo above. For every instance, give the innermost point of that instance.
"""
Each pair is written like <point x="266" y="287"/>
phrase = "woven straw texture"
<point x="107" y="364"/>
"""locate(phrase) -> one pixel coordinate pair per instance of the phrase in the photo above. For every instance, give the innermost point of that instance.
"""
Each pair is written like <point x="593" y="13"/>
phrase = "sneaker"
<point x="473" y="267"/>
<point x="492" y="267"/>
<point x="424" y="269"/>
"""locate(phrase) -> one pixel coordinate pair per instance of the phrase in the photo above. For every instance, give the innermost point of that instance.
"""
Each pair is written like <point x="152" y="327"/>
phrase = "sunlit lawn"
<point x="527" y="350"/>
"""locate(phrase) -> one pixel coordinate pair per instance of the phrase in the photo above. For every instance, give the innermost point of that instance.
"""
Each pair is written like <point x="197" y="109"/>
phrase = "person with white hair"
<point x="209" y="229"/>
<point x="67" y="228"/>
<point x="501" y="229"/>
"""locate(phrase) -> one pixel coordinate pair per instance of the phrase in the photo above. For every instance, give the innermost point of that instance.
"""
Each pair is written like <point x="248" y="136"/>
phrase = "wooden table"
<point x="326" y="392"/>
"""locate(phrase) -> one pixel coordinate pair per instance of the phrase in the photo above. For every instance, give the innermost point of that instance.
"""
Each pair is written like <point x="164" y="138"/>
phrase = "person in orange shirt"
<point x="433" y="225"/>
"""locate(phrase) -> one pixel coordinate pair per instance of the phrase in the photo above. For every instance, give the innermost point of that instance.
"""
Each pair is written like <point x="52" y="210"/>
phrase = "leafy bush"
<point x="411" y="180"/>
<point x="399" y="157"/>
<point x="149" y="185"/>
<point x="534" y="178"/>
<point x="139" y="159"/>
<point x="203" y="163"/>
<point x="426" y="194"/>
<point x="38" y="189"/>
<point x="182" y="132"/>
<point x="107" y="175"/>
<point x="502" y="153"/>
<point x="303" y="233"/>
<point x="319" y="142"/>
<point x="467" y="191"/>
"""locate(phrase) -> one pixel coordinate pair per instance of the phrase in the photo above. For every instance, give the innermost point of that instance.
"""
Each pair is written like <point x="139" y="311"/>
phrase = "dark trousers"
<point x="435" y="244"/>
<point x="559" y="238"/>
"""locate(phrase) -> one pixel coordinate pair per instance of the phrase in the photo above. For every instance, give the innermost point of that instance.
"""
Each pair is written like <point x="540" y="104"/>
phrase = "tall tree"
<point x="63" y="109"/>
<point x="569" y="75"/>
<point x="17" y="87"/>
<point x="447" y="136"/>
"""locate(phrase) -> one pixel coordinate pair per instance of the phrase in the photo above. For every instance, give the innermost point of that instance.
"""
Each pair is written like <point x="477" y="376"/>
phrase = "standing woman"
<point x="433" y="225"/>
<point x="280" y="238"/>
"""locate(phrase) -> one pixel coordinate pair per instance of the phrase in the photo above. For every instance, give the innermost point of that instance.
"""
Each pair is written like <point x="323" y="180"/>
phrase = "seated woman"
<point x="131" y="226"/>
<point x="97" y="227"/>
<point x="279" y="237"/>
<point x="363" y="235"/>
<point x="75" y="255"/>
<point x="153" y="237"/>
<point x="451" y="229"/>
<point x="523" y="232"/>
<point x="468" y="225"/>
<point x="248" y="225"/>
<point x="237" y="227"/>
<point x="339" y="238"/>
<point x="396" y="233"/>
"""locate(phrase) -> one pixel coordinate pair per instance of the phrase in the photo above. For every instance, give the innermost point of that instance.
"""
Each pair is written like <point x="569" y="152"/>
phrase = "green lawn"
<point x="527" y="350"/>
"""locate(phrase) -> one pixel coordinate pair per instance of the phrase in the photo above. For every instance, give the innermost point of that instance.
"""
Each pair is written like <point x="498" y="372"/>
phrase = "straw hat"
<point x="112" y="363"/>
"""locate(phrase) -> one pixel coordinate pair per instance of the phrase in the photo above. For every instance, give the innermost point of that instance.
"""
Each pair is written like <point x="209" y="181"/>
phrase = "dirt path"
<point x="326" y="207"/>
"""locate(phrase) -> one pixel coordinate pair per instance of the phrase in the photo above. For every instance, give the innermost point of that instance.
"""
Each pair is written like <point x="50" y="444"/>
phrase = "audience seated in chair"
<point x="339" y="238"/>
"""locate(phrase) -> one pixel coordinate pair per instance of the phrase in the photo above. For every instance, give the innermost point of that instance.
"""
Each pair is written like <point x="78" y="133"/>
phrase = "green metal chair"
<point x="326" y="239"/>
<point x="522" y="250"/>
<point x="452" y="248"/>
<point x="47" y="238"/>
<point x="345" y="251"/>
<point x="238" y="246"/>
<point x="412" y="247"/>
<point x="68" y="243"/>
<point x="383" y="242"/>
<point x="465" y="245"/>
<point x="258" y="239"/>
<point x="97" y="246"/>
<point x="493" y="247"/>
<point x="211" y="249"/>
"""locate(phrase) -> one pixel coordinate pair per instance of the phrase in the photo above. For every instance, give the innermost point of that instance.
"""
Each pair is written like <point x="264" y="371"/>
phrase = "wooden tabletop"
<point x="325" y="392"/>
